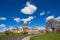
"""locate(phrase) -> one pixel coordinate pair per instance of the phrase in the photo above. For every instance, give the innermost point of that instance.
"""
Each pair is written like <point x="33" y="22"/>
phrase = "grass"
<point x="47" y="36"/>
<point x="3" y="36"/>
<point x="8" y="35"/>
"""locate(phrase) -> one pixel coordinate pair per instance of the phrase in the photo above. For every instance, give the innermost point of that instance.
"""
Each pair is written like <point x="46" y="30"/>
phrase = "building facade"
<point x="25" y="28"/>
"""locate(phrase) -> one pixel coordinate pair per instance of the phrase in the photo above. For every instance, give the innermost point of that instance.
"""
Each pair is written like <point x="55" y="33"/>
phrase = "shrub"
<point x="7" y="32"/>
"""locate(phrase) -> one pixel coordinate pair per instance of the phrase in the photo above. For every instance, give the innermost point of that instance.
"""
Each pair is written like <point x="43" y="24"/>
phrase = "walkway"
<point x="26" y="38"/>
<point x="16" y="38"/>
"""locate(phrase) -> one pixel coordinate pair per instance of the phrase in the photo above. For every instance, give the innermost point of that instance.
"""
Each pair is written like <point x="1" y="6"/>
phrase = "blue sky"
<point x="11" y="9"/>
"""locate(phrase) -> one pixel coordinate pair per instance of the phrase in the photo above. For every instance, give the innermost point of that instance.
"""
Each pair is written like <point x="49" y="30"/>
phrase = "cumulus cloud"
<point x="25" y="20"/>
<point x="50" y="17"/>
<point x="29" y="9"/>
<point x="17" y="19"/>
<point x="41" y="28"/>
<point x="4" y="29"/>
<point x="3" y="18"/>
<point x="2" y="25"/>
<point x="28" y="19"/>
<point x="58" y="18"/>
<point x="11" y="28"/>
<point x="42" y="13"/>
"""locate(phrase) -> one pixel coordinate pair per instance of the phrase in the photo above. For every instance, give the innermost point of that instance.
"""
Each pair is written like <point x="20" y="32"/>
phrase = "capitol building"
<point x="25" y="28"/>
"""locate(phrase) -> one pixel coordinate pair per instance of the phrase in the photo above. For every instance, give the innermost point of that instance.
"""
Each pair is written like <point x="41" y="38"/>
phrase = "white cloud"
<point x="2" y="25"/>
<point x="25" y="20"/>
<point x="58" y="19"/>
<point x="42" y="13"/>
<point x="41" y="28"/>
<point x="29" y="9"/>
<point x="17" y="19"/>
<point x="20" y="27"/>
<point x="50" y="17"/>
<point x="3" y="18"/>
<point x="11" y="28"/>
<point x="4" y="29"/>
<point x="28" y="19"/>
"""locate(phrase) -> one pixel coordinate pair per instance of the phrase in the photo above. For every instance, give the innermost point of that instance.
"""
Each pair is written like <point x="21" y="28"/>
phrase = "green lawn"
<point x="10" y="34"/>
<point x="47" y="36"/>
<point x="3" y="36"/>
